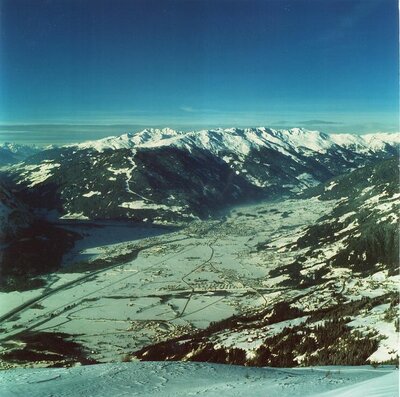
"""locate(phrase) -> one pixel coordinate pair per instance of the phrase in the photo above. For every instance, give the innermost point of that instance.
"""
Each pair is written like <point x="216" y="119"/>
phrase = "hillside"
<point x="29" y="246"/>
<point x="14" y="216"/>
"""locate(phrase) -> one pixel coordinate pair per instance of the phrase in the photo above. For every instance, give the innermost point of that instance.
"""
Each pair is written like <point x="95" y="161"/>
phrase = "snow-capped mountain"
<point x="131" y="140"/>
<point x="166" y="175"/>
<point x="336" y="297"/>
<point x="242" y="141"/>
<point x="11" y="153"/>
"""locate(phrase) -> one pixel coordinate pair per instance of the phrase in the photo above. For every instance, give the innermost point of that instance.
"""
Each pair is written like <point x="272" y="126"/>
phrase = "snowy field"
<point x="176" y="379"/>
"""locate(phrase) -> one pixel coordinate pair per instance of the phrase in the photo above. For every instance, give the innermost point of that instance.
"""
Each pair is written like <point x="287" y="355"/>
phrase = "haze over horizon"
<point x="72" y="71"/>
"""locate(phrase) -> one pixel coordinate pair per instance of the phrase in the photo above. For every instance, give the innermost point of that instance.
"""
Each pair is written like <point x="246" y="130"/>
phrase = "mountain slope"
<point x="336" y="302"/>
<point x="14" y="216"/>
<point x="165" y="175"/>
<point x="156" y="184"/>
<point x="28" y="247"/>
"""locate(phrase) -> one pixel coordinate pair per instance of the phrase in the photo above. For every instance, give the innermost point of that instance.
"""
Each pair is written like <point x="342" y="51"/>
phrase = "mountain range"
<point x="163" y="176"/>
<point x="12" y="153"/>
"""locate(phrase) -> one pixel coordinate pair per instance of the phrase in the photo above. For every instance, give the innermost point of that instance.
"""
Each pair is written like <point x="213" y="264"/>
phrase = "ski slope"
<point x="190" y="379"/>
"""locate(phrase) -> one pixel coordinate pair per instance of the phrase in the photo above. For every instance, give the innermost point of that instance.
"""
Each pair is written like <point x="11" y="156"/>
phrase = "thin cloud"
<point x="319" y="122"/>
<point x="190" y="109"/>
<point x="282" y="122"/>
<point x="187" y="109"/>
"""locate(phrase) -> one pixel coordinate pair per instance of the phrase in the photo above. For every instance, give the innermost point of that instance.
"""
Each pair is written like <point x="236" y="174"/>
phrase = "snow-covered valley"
<point x="124" y="287"/>
<point x="179" y="281"/>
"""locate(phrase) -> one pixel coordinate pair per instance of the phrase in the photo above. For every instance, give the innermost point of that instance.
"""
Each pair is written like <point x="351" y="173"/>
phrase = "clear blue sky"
<point x="324" y="64"/>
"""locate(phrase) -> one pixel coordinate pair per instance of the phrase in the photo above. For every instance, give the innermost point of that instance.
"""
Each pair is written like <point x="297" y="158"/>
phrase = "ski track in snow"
<point x="201" y="379"/>
<point x="129" y="175"/>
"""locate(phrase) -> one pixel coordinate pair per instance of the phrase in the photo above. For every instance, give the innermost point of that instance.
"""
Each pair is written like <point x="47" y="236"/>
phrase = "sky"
<point x="77" y="69"/>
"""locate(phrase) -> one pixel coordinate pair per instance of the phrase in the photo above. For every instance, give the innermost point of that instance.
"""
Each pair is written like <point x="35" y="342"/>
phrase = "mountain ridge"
<point x="151" y="137"/>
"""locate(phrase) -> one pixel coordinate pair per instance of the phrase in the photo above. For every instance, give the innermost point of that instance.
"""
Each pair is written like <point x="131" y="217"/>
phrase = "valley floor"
<point x="126" y="287"/>
<point x="207" y="380"/>
<point x="123" y="288"/>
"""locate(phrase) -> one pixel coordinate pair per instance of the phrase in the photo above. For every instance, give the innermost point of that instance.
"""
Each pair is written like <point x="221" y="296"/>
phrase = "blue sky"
<point x="326" y="64"/>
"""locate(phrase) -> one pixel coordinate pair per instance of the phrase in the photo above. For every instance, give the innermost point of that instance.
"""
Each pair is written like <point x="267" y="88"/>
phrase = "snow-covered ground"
<point x="180" y="280"/>
<point x="174" y="379"/>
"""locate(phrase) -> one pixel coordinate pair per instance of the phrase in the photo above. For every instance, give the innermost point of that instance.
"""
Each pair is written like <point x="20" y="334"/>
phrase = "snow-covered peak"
<point x="368" y="142"/>
<point x="128" y="140"/>
<point x="242" y="141"/>
<point x="111" y="142"/>
<point x="163" y="131"/>
<point x="11" y="153"/>
<point x="23" y="150"/>
<point x="18" y="148"/>
<point x="154" y="135"/>
<point x="379" y="140"/>
<point x="302" y="138"/>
